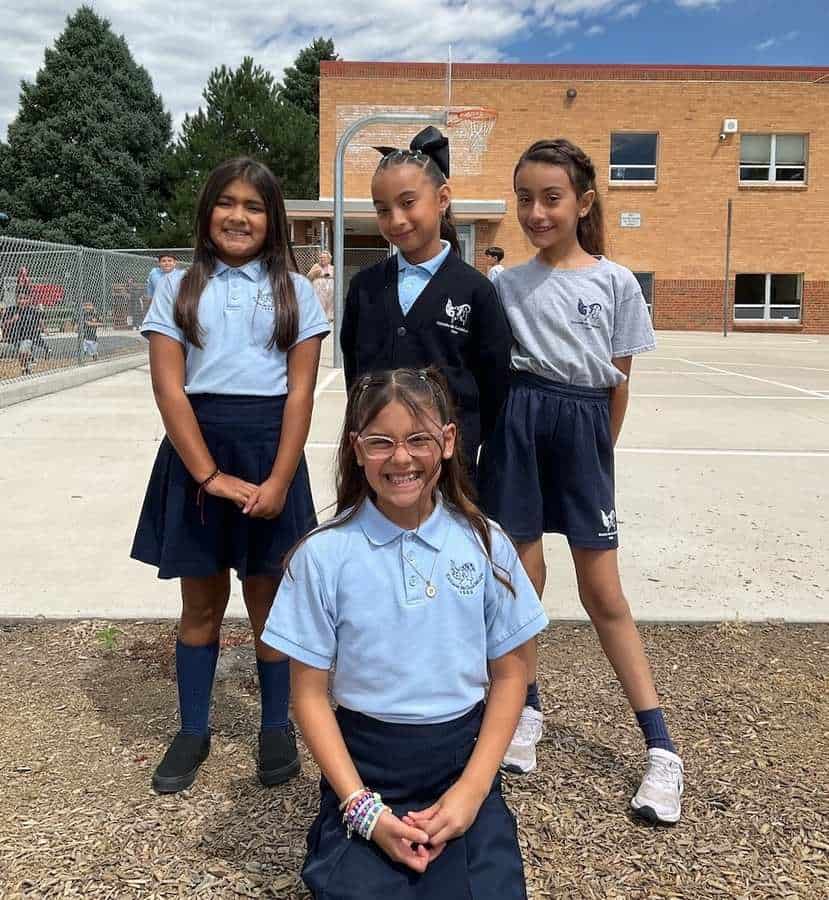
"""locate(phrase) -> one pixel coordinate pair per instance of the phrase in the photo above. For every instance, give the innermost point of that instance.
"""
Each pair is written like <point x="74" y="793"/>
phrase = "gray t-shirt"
<point x="568" y="324"/>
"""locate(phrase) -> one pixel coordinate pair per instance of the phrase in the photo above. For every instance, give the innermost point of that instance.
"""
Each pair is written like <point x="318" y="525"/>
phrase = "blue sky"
<point x="179" y="56"/>
<point x="739" y="32"/>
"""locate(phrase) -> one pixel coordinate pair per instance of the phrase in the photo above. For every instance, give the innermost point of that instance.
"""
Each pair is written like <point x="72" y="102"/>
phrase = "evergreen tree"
<point x="243" y="115"/>
<point x="301" y="83"/>
<point x="85" y="153"/>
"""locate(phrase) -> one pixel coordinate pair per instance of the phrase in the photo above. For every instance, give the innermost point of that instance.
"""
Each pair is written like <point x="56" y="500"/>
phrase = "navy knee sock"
<point x="532" y="699"/>
<point x="275" y="685"/>
<point x="652" y="723"/>
<point x="195" y="668"/>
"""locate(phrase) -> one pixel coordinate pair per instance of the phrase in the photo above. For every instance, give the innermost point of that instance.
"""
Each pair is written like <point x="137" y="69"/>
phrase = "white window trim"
<point x="634" y="181"/>
<point x="768" y="306"/>
<point x="772" y="165"/>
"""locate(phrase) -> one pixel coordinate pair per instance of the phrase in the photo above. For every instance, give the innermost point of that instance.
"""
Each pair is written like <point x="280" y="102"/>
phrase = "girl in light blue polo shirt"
<point x="234" y="351"/>
<point x="421" y="604"/>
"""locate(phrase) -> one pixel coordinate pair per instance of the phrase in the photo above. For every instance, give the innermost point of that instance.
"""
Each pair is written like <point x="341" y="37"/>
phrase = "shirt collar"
<point x="380" y="530"/>
<point x="431" y="265"/>
<point x="252" y="270"/>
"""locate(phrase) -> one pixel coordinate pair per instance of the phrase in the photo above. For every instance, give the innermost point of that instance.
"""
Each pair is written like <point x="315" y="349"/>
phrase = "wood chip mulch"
<point x="87" y="708"/>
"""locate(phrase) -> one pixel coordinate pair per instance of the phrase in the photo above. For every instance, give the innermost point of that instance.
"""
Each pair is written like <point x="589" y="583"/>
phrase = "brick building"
<point x="671" y="146"/>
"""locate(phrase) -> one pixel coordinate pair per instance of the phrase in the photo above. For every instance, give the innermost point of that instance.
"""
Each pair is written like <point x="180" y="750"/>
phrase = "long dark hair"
<point x="425" y="394"/>
<point x="448" y="231"/>
<point x="277" y="253"/>
<point x="577" y="164"/>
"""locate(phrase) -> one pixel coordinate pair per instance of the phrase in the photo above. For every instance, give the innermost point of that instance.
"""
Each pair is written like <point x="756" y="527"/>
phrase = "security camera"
<point x="723" y="135"/>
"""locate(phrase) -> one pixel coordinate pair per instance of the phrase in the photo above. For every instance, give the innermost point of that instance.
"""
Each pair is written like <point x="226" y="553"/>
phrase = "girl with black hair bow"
<point x="425" y="305"/>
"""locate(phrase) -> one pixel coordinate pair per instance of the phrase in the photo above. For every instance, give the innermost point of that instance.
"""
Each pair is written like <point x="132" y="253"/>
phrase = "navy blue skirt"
<point x="182" y="540"/>
<point x="548" y="466"/>
<point x="412" y="766"/>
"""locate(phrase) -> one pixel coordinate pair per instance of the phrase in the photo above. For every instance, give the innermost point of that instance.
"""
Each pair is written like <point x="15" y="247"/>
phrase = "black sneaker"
<point x="181" y="762"/>
<point x="278" y="757"/>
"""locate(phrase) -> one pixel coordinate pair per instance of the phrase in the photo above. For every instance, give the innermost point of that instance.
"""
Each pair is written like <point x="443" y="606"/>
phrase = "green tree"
<point x="243" y="115"/>
<point x="85" y="153"/>
<point x="301" y="85"/>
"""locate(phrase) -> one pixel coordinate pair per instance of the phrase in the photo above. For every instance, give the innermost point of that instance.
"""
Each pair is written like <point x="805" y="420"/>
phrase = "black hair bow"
<point x="429" y="142"/>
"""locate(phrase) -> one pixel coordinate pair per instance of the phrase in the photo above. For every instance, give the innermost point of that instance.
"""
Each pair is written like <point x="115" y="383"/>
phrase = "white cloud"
<point x="566" y="48"/>
<point x="628" y="11"/>
<point x="179" y="44"/>
<point x="775" y="41"/>
<point x="595" y="30"/>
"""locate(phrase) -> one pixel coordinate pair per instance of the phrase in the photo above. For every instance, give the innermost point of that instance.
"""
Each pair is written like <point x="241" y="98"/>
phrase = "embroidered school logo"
<point x="609" y="522"/>
<point x="465" y="577"/>
<point x="589" y="313"/>
<point x="458" y="316"/>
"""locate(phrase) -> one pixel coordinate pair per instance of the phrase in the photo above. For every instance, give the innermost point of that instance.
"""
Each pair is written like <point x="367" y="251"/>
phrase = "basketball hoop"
<point x="471" y="125"/>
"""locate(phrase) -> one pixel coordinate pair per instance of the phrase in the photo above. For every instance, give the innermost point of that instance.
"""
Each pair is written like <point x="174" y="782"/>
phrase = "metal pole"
<point x="339" y="210"/>
<point x="727" y="266"/>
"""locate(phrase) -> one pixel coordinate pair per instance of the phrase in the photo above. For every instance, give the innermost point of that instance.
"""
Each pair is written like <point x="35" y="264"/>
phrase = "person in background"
<point x="495" y="255"/>
<point x="321" y="275"/>
<point x="166" y="264"/>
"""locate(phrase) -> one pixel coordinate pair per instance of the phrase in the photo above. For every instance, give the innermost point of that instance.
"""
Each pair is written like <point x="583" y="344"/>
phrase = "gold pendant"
<point x="431" y="590"/>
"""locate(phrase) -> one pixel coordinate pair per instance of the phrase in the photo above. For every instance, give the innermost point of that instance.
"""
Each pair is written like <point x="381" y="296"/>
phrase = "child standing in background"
<point x="578" y="320"/>
<point x="234" y="351"/>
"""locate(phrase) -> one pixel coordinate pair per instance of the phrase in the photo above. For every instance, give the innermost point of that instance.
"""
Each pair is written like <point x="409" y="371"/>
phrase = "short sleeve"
<point x="312" y="319"/>
<point x="632" y="326"/>
<point x="301" y="620"/>
<point x="160" y="316"/>
<point x="511" y="620"/>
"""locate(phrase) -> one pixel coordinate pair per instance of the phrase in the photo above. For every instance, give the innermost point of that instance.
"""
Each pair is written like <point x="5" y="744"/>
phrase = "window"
<point x="767" y="297"/>
<point x="633" y="157"/>
<point x="645" y="280"/>
<point x="772" y="158"/>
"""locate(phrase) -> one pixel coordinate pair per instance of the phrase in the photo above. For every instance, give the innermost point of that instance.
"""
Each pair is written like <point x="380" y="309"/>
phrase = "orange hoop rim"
<point x="470" y="114"/>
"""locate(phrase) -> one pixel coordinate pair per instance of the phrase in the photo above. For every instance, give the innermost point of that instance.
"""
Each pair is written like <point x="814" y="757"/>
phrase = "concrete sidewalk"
<point x="721" y="474"/>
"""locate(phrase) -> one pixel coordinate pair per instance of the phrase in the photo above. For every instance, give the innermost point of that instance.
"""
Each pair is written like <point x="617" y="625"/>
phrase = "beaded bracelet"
<point x="363" y="810"/>
<point x="353" y="796"/>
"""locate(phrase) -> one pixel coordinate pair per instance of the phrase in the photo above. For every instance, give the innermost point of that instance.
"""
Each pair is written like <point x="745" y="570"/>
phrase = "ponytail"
<point x="448" y="231"/>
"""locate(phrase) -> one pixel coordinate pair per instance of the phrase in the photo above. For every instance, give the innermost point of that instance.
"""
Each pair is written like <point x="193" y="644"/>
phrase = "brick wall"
<point x="683" y="217"/>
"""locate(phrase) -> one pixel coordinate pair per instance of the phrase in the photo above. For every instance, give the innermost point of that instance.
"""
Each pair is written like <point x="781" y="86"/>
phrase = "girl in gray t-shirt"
<point x="577" y="321"/>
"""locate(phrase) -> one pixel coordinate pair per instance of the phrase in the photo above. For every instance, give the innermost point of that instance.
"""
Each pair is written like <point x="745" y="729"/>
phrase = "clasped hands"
<point x="418" y="838"/>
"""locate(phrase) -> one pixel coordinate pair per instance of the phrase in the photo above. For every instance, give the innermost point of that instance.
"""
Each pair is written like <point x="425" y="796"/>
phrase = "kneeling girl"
<point x="421" y="603"/>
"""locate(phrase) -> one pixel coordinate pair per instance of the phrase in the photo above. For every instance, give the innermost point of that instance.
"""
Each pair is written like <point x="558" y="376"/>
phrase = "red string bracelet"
<point x="200" y="492"/>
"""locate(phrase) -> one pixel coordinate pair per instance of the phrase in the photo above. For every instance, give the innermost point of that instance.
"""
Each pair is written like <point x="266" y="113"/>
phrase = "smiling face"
<point x="166" y="263"/>
<point x="549" y="208"/>
<point x="238" y="223"/>
<point x="409" y="208"/>
<point x="404" y="482"/>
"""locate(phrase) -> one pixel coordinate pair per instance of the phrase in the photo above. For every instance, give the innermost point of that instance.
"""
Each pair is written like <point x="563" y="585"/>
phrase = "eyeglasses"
<point x="379" y="446"/>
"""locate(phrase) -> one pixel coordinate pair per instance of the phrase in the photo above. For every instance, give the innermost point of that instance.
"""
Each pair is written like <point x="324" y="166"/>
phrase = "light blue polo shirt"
<point x="153" y="278"/>
<point x="412" y="278"/>
<point x="236" y="314"/>
<point x="353" y="596"/>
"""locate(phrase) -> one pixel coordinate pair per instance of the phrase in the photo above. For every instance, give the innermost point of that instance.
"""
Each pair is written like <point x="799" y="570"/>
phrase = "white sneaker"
<point x="659" y="795"/>
<point x="520" y="755"/>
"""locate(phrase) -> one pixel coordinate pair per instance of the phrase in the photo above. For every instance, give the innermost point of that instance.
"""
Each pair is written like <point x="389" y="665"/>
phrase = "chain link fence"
<point x="63" y="305"/>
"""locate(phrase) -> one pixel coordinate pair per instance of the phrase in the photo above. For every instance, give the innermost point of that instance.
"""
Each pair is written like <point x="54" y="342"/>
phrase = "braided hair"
<point x="580" y="168"/>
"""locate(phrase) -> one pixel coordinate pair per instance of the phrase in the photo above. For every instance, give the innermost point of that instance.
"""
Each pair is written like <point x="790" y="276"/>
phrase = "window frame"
<point x="768" y="306"/>
<point x="648" y="301"/>
<point x="633" y="181"/>
<point x="772" y="165"/>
